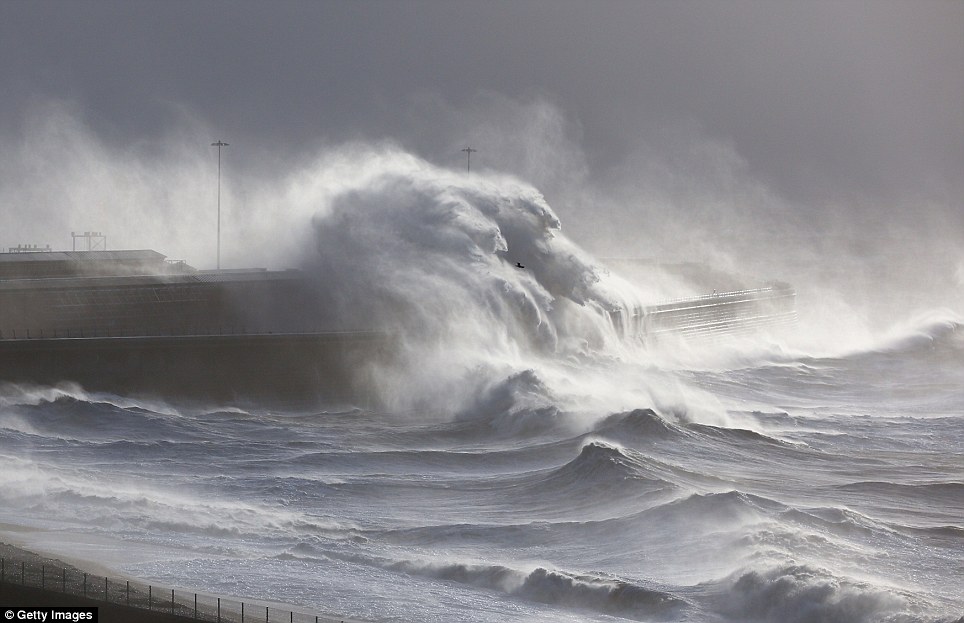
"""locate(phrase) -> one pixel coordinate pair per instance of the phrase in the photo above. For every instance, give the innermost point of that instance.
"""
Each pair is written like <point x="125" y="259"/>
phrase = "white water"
<point x="530" y="464"/>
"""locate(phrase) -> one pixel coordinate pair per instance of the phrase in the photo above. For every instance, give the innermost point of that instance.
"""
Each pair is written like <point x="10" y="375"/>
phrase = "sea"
<point x="524" y="455"/>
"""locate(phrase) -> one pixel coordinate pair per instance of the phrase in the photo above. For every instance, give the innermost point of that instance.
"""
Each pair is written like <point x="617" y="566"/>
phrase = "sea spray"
<point x="471" y="273"/>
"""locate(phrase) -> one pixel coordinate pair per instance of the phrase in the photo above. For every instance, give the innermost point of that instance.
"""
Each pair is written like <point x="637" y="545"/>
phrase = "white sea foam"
<point x="434" y="256"/>
<point x="801" y="594"/>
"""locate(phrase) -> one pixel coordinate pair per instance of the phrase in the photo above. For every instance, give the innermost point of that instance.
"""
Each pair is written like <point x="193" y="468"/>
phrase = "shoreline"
<point x="13" y="593"/>
<point x="31" y="579"/>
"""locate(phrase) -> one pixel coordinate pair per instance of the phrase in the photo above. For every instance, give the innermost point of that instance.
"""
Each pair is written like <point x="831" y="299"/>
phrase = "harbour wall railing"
<point x="8" y="333"/>
<point x="710" y="315"/>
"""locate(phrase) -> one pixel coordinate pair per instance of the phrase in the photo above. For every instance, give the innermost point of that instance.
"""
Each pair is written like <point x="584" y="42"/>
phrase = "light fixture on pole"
<point x="219" y="145"/>
<point x="468" y="158"/>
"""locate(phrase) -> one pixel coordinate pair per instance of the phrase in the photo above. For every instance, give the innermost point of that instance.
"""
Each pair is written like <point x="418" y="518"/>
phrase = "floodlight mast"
<point x="219" y="145"/>
<point x="468" y="158"/>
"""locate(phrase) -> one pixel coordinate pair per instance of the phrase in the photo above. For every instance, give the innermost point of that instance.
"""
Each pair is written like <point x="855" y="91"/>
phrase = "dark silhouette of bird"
<point x="519" y="265"/>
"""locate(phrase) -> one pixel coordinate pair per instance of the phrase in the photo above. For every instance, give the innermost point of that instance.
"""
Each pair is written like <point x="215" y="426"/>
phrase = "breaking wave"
<point x="472" y="274"/>
<point x="579" y="591"/>
<point x="803" y="594"/>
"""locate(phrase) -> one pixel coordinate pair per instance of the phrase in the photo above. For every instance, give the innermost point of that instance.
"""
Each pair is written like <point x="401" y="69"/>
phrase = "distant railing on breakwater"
<point x="776" y="289"/>
<point x="714" y="315"/>
<point x="68" y="580"/>
<point x="106" y="332"/>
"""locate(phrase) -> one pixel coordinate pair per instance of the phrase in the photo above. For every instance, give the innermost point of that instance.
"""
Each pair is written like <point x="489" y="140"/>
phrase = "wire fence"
<point x="190" y="605"/>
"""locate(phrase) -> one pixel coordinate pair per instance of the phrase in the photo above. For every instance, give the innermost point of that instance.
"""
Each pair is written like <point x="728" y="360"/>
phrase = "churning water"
<point x="526" y="462"/>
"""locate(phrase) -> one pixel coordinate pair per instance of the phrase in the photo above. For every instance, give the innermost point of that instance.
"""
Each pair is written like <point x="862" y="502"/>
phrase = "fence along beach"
<point x="29" y="579"/>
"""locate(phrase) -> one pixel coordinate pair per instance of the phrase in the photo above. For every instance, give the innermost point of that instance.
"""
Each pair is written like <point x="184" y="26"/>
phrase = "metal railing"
<point x="69" y="580"/>
<point x="19" y="335"/>
<point x="718" y="313"/>
<point x="102" y="332"/>
<point x="776" y="289"/>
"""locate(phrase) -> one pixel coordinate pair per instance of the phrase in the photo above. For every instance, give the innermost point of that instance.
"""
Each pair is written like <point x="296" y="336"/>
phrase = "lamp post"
<point x="219" y="145"/>
<point x="468" y="158"/>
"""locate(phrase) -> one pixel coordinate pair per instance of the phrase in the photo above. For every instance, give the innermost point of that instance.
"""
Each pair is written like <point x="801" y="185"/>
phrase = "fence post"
<point x="85" y="585"/>
<point x="195" y="605"/>
<point x="150" y="595"/>
<point x="106" y="598"/>
<point x="242" y="612"/>
<point x="172" y="601"/>
<point x="128" y="592"/>
<point x="219" y="610"/>
<point x="266" y="614"/>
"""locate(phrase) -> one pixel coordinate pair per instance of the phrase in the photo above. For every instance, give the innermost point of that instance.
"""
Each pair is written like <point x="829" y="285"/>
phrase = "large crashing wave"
<point x="468" y="271"/>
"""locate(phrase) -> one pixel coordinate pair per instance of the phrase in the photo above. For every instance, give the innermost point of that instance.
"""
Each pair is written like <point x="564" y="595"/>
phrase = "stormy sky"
<point x="820" y="116"/>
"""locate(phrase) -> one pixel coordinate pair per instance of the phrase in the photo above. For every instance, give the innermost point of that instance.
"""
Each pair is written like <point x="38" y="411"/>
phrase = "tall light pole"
<point x="219" y="145"/>
<point x="468" y="158"/>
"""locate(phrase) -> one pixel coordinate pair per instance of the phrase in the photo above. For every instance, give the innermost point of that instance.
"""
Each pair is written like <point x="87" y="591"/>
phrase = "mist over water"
<point x="526" y="461"/>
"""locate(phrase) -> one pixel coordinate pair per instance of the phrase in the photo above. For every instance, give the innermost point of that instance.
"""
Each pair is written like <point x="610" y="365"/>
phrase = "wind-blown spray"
<point x="466" y="271"/>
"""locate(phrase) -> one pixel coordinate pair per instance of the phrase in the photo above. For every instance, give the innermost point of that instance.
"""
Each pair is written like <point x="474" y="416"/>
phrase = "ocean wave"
<point x="134" y="505"/>
<point x="939" y="328"/>
<point x="520" y="404"/>
<point x="601" y="464"/>
<point x="18" y="394"/>
<point x="51" y="414"/>
<point x="586" y="591"/>
<point x="739" y="435"/>
<point x="549" y="586"/>
<point x="804" y="594"/>
<point x="29" y="394"/>
<point x="601" y="479"/>
<point x="732" y="507"/>
<point x="837" y="520"/>
<point x="935" y="332"/>
<point x="694" y="513"/>
<point x="638" y="425"/>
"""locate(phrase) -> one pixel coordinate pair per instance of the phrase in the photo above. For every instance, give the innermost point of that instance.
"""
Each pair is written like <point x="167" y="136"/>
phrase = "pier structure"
<point x="136" y="322"/>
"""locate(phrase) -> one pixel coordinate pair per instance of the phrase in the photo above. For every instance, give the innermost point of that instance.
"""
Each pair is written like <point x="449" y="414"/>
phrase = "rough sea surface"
<point x="526" y="460"/>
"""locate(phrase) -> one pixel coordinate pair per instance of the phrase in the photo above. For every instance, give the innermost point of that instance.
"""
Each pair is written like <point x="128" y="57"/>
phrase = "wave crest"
<point x="580" y="591"/>
<point x="638" y="425"/>
<point x="801" y="594"/>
